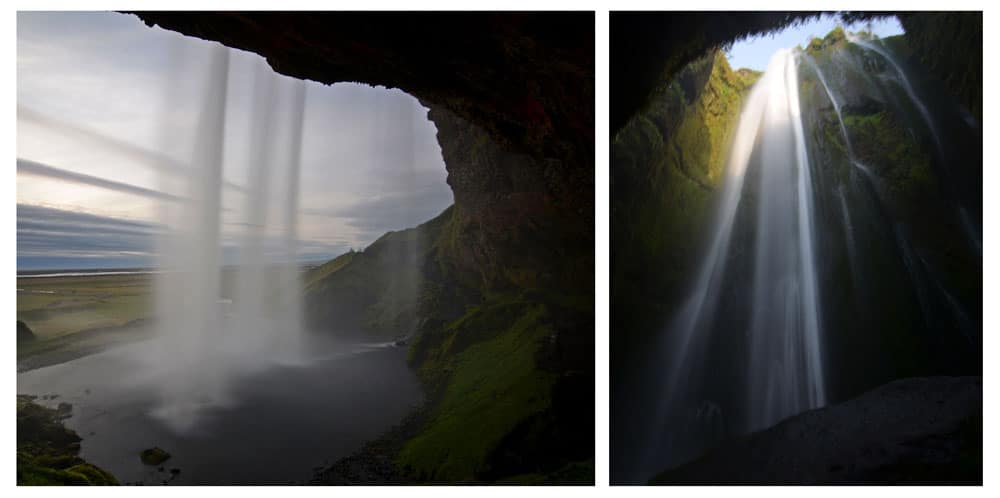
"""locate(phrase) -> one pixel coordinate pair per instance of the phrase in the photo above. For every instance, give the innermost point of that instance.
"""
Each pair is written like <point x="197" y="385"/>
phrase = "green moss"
<point x="47" y="451"/>
<point x="153" y="456"/>
<point x="489" y="387"/>
<point x="662" y="190"/>
<point x="883" y="143"/>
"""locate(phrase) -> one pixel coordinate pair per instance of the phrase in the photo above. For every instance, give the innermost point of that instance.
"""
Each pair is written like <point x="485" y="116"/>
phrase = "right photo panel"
<point x="796" y="248"/>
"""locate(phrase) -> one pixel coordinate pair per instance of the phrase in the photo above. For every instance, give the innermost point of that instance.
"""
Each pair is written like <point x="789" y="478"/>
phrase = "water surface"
<point x="275" y="424"/>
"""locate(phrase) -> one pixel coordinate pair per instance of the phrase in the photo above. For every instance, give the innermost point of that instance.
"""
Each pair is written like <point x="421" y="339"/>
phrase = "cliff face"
<point x="649" y="48"/>
<point x="936" y="39"/>
<point x="667" y="166"/>
<point x="666" y="170"/>
<point x="894" y="206"/>
<point x="496" y="293"/>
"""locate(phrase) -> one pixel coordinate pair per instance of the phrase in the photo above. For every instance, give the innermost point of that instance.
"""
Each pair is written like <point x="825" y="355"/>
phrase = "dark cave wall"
<point x="520" y="221"/>
<point x="526" y="79"/>
<point x="936" y="38"/>
<point x="649" y="48"/>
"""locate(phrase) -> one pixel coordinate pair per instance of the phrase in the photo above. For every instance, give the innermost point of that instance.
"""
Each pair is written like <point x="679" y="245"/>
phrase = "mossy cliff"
<point x="47" y="451"/>
<point x="895" y="245"/>
<point x="667" y="166"/>
<point x="666" y="170"/>
<point x="649" y="48"/>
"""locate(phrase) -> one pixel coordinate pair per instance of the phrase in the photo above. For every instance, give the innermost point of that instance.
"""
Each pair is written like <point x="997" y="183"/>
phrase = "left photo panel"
<point x="305" y="248"/>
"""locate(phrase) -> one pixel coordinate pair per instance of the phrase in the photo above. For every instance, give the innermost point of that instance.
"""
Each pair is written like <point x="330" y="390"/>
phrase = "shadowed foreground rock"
<point x="919" y="430"/>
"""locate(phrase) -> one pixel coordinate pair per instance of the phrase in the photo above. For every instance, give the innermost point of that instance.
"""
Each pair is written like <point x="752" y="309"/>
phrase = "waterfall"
<point x="905" y="82"/>
<point x="784" y="354"/>
<point x="786" y="374"/>
<point x="833" y="102"/>
<point x="845" y="215"/>
<point x="208" y="333"/>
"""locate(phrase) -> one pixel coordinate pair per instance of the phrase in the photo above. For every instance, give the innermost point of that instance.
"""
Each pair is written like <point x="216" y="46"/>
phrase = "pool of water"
<point x="276" y="425"/>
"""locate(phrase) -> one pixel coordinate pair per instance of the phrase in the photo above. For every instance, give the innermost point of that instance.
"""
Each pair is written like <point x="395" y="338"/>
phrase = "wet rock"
<point x="918" y="430"/>
<point x="24" y="334"/>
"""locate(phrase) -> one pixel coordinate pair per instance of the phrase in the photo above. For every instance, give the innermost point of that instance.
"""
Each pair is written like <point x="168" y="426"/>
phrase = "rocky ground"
<point x="374" y="463"/>
<point x="47" y="451"/>
<point x="919" y="430"/>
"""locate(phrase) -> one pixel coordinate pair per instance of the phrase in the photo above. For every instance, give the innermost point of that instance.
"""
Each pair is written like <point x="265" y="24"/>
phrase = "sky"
<point x="107" y="109"/>
<point x="754" y="53"/>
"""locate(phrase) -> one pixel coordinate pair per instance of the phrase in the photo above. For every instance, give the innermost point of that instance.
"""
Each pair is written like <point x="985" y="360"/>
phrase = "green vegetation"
<point x="153" y="456"/>
<point x="491" y="356"/>
<point x="373" y="293"/>
<point x="318" y="274"/>
<point x="667" y="167"/>
<point x="47" y="451"/>
<point x="493" y="383"/>
<point x="56" y="306"/>
<point x="74" y="316"/>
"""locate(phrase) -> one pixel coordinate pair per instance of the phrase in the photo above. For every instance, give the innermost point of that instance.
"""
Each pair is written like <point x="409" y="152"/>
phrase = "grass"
<point x="57" y="306"/>
<point x="318" y="274"/>
<point x="492" y="385"/>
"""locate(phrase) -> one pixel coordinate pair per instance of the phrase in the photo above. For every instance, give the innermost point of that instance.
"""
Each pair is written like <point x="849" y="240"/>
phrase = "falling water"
<point x="211" y="335"/>
<point x="845" y="215"/>
<point x="972" y="234"/>
<point x="187" y="297"/>
<point x="786" y="374"/>
<point x="904" y="81"/>
<point x="833" y="102"/>
<point x="784" y="357"/>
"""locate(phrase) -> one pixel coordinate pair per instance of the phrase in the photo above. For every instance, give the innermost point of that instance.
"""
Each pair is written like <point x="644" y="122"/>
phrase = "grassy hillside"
<point x="510" y="384"/>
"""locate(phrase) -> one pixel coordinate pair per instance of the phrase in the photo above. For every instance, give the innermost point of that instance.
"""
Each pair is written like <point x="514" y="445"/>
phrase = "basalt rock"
<point x="919" y="430"/>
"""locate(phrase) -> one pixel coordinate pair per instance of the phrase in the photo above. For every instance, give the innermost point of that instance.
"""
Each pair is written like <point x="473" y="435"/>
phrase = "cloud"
<point x="100" y="94"/>
<point x="57" y="238"/>
<point x="35" y="168"/>
<point x="141" y="156"/>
